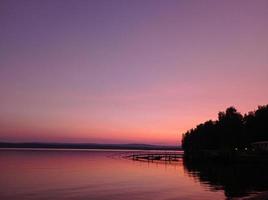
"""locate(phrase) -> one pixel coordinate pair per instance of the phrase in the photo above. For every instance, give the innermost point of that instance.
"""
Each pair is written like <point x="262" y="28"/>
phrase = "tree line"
<point x="231" y="130"/>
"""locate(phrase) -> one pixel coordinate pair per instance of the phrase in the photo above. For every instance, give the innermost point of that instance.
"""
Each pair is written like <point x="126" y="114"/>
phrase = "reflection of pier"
<point x="157" y="156"/>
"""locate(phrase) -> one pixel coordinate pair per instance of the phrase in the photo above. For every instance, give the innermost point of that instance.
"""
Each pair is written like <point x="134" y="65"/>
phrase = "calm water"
<point x="107" y="175"/>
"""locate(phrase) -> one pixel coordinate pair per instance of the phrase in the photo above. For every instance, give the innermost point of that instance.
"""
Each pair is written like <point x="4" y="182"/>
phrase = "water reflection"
<point x="237" y="180"/>
<point x="104" y="175"/>
<point x="98" y="175"/>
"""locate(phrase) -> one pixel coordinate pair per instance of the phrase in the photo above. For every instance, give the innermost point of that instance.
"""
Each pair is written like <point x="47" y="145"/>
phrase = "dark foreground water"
<point x="107" y="175"/>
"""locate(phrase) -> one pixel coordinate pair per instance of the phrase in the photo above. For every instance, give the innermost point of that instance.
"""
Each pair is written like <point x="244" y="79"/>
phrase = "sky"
<point x="127" y="71"/>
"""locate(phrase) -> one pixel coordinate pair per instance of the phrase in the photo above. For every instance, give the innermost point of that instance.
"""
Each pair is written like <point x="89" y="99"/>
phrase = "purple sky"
<point x="127" y="71"/>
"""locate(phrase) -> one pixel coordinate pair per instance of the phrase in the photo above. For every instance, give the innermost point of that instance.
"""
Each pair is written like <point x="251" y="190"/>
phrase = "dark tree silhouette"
<point x="231" y="130"/>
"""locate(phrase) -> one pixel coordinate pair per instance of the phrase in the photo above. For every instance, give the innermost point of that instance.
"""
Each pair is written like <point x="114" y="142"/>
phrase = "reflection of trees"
<point x="236" y="180"/>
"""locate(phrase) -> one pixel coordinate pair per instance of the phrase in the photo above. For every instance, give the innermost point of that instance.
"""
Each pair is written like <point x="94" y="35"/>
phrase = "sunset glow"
<point x="127" y="71"/>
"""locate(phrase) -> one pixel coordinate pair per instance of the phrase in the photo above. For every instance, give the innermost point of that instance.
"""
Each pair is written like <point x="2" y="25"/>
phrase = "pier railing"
<point x="157" y="156"/>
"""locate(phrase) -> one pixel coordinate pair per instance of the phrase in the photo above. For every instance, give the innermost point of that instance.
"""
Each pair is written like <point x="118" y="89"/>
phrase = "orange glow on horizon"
<point x="136" y="72"/>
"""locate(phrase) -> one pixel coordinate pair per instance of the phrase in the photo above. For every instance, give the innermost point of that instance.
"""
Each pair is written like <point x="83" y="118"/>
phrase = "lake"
<point x="108" y="175"/>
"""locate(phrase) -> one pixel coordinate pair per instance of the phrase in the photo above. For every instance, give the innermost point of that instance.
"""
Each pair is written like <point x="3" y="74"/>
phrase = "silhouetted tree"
<point x="230" y="131"/>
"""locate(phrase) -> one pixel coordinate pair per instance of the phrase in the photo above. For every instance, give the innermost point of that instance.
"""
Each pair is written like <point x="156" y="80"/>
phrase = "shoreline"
<point x="36" y="145"/>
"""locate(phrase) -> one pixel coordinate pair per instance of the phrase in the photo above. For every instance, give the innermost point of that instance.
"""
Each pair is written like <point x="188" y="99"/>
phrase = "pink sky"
<point x="127" y="71"/>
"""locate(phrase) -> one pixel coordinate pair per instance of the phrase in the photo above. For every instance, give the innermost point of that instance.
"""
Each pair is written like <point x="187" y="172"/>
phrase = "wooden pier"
<point x="167" y="157"/>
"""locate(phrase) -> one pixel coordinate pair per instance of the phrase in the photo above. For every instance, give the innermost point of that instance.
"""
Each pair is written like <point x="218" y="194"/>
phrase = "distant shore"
<point x="36" y="145"/>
